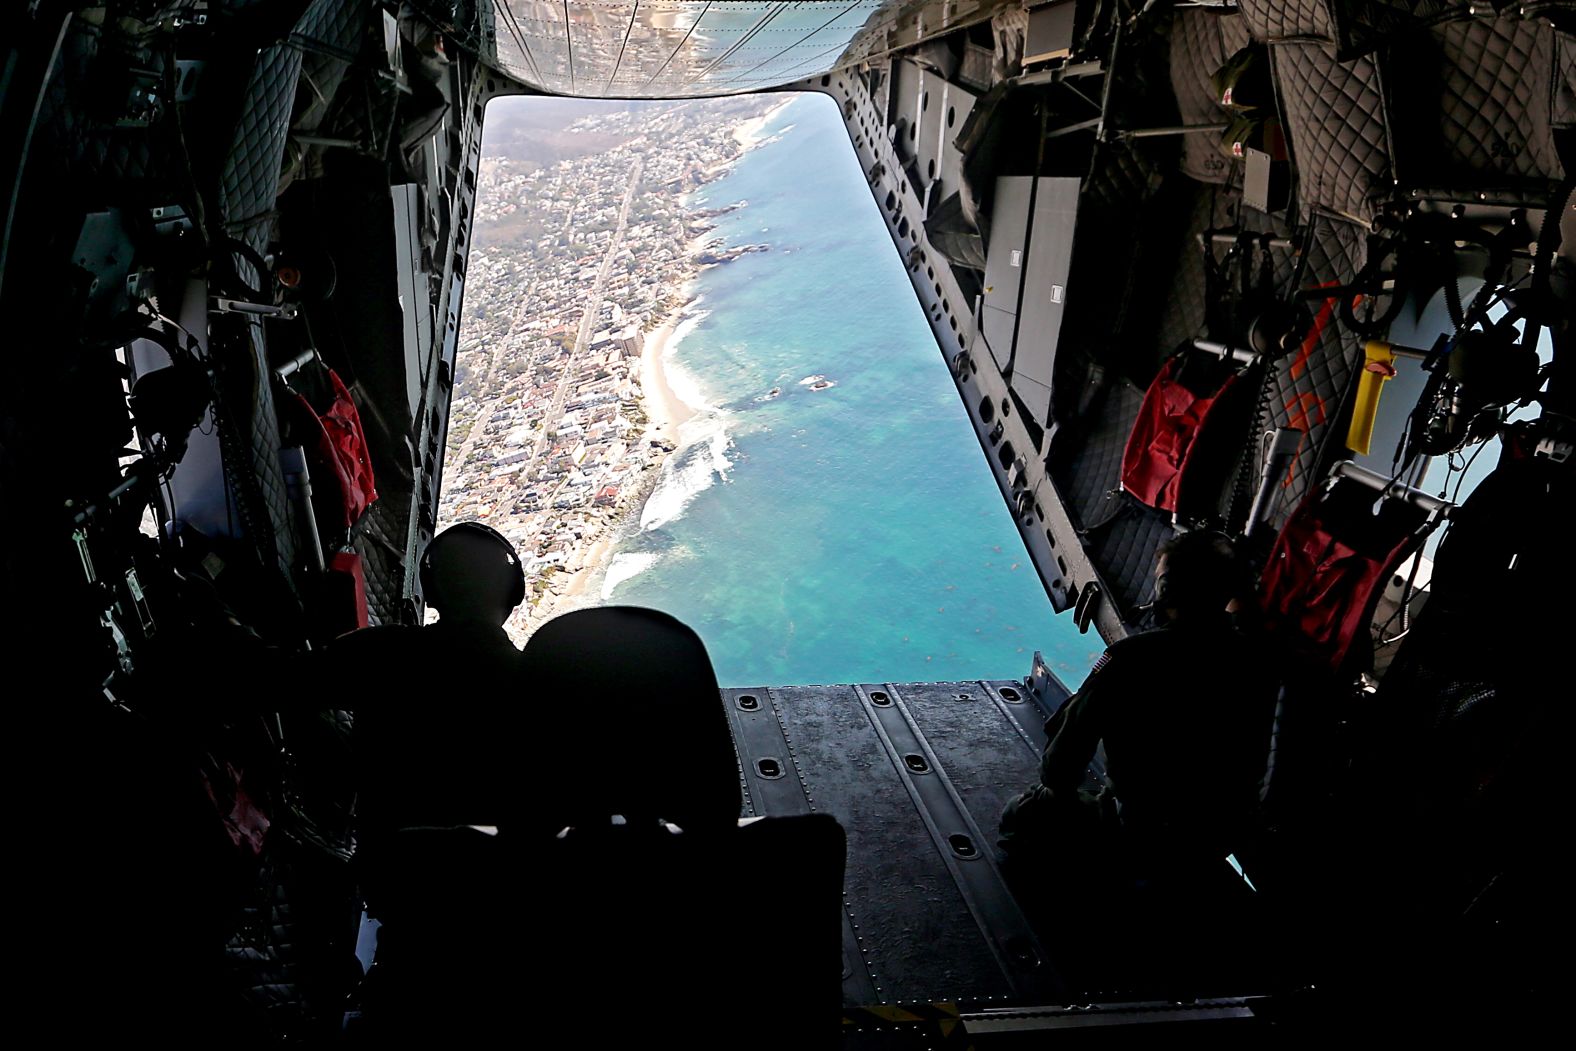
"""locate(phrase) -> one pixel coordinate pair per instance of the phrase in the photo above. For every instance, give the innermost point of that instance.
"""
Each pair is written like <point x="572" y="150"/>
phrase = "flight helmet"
<point x="470" y="569"/>
<point x="1203" y="572"/>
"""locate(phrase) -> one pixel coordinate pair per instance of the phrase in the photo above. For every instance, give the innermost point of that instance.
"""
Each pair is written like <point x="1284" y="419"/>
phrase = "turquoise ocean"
<point x="848" y="534"/>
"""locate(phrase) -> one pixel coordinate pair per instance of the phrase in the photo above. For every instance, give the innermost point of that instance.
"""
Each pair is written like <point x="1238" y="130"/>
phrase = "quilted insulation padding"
<point x="1564" y="108"/>
<point x="330" y="35"/>
<point x="249" y="182"/>
<point x="332" y="25"/>
<point x="381" y="541"/>
<point x="1124" y="553"/>
<point x="1123" y="174"/>
<point x="286" y="949"/>
<point x="248" y="189"/>
<point x="265" y="443"/>
<point x="1362" y="25"/>
<point x="1182" y="308"/>
<point x="1337" y="128"/>
<point x="262" y="956"/>
<point x="1182" y="314"/>
<point x="78" y="143"/>
<point x="1091" y="477"/>
<point x="1120" y="534"/>
<point x="1307" y="389"/>
<point x="364" y="114"/>
<point x="1201" y="42"/>
<point x="1272" y="20"/>
<point x="1476" y="105"/>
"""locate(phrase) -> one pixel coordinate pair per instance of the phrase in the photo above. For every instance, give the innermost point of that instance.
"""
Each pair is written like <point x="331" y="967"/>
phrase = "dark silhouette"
<point x="643" y="882"/>
<point x="445" y="778"/>
<point x="435" y="734"/>
<point x="1184" y="715"/>
<point x="649" y="739"/>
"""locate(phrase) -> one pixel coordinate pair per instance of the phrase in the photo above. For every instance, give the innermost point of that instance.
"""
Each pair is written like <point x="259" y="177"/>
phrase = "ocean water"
<point x="850" y="534"/>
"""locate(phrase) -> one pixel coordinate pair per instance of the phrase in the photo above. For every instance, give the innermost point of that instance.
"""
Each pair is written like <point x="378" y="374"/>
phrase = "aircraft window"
<point x="930" y="271"/>
<point x="1049" y="537"/>
<point x="938" y="289"/>
<point x="954" y="322"/>
<point x="930" y="169"/>
<point x="987" y="410"/>
<point x="952" y="115"/>
<point x="1005" y="455"/>
<point x="924" y="101"/>
<point x="902" y="228"/>
<point x="1006" y="407"/>
<point x="826" y="80"/>
<point x="891" y="200"/>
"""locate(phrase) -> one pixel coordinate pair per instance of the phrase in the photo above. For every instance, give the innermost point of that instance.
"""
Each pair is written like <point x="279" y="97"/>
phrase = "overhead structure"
<point x="683" y="48"/>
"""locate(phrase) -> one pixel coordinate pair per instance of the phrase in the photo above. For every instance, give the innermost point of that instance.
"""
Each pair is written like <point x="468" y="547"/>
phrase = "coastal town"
<point x="562" y="416"/>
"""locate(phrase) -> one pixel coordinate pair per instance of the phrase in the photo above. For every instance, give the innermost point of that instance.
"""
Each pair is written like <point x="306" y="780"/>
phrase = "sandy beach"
<point x="665" y="414"/>
<point x="746" y="134"/>
<point x="665" y="410"/>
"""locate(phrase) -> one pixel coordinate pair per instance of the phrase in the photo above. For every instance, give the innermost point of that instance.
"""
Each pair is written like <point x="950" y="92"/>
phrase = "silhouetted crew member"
<point x="1184" y="712"/>
<point x="442" y="749"/>
<point x="436" y="731"/>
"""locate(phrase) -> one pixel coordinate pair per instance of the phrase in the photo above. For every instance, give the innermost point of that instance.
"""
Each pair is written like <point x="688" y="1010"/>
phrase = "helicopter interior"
<point x="1282" y="270"/>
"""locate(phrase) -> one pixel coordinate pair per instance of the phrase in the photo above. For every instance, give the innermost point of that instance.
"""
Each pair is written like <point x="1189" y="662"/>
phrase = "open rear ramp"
<point x="917" y="773"/>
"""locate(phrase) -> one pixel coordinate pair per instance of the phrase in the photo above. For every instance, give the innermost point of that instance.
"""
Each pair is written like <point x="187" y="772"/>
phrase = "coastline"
<point x="578" y="583"/>
<point x="748" y="132"/>
<point x="665" y="413"/>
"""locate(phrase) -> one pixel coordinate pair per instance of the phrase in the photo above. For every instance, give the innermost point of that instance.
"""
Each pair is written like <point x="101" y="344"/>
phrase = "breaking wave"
<point x="626" y="567"/>
<point x="700" y="462"/>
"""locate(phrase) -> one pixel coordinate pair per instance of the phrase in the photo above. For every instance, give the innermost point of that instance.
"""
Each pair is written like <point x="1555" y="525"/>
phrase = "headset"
<point x="430" y="590"/>
<point x="1198" y="569"/>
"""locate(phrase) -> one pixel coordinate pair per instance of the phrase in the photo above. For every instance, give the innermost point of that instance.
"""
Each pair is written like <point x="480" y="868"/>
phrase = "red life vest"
<point x="1163" y="449"/>
<point x="337" y="449"/>
<point x="1329" y="564"/>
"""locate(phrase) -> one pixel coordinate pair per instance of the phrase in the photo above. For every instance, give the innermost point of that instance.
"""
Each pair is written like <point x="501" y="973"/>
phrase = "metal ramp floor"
<point x="917" y="773"/>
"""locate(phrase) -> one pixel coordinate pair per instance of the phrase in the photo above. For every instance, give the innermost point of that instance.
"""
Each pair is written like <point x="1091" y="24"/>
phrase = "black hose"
<point x="1543" y="263"/>
<point x="1370" y="283"/>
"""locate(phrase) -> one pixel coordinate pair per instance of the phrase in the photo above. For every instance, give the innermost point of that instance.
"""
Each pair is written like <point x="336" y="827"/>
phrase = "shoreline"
<point x="574" y="588"/>
<point x="665" y="413"/>
<point x="747" y="133"/>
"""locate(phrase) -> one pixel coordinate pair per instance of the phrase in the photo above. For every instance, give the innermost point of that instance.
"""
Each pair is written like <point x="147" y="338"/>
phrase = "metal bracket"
<point x="1553" y="449"/>
<point x="1222" y="350"/>
<point x="188" y="74"/>
<point x="1084" y="610"/>
<point x="1125" y="134"/>
<point x="220" y="305"/>
<point x="1389" y="488"/>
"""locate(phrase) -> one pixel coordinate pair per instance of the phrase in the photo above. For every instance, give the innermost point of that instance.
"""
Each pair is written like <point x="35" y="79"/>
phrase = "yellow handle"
<point x="1378" y="367"/>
